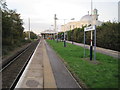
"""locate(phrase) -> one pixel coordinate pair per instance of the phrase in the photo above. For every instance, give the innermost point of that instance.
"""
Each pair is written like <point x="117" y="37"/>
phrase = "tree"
<point x="32" y="35"/>
<point x="12" y="29"/>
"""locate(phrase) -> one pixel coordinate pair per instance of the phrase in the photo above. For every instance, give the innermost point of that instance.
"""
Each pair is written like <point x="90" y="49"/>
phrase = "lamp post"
<point x="64" y="34"/>
<point x="72" y="30"/>
<point x="64" y="30"/>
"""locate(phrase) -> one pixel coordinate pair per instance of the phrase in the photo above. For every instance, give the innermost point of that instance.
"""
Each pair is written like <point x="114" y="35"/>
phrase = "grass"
<point x="102" y="75"/>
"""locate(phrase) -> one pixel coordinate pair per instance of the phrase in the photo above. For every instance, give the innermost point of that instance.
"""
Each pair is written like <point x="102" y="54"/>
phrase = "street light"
<point x="64" y="28"/>
<point x="65" y="33"/>
<point x="72" y="30"/>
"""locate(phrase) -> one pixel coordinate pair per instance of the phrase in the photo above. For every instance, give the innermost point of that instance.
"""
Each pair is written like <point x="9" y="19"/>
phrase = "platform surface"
<point x="38" y="73"/>
<point x="46" y="70"/>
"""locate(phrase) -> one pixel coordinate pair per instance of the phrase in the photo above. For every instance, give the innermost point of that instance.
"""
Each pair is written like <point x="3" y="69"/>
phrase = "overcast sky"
<point x="41" y="12"/>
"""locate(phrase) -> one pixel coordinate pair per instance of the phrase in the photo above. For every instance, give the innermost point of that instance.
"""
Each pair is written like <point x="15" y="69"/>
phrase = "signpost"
<point x="91" y="28"/>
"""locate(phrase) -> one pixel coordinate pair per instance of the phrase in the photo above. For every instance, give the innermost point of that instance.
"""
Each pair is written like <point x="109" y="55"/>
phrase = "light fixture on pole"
<point x="72" y="30"/>
<point x="65" y="32"/>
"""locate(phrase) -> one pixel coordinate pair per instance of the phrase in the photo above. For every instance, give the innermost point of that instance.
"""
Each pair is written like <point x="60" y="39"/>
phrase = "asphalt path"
<point x="109" y="52"/>
<point x="62" y="76"/>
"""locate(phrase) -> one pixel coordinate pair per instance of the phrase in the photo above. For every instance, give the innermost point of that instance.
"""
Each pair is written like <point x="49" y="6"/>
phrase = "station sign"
<point x="90" y="28"/>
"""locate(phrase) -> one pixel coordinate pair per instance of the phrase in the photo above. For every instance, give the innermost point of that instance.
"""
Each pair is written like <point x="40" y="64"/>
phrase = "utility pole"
<point x="29" y="26"/>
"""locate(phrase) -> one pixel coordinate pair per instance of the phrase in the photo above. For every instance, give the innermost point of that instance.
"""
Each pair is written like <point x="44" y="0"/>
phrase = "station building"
<point x="48" y="34"/>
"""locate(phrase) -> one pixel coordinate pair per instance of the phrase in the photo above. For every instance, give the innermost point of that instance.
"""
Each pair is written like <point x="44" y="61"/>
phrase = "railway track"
<point x="14" y="68"/>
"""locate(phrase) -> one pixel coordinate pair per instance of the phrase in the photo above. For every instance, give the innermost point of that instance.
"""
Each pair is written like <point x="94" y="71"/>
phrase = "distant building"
<point x="48" y="34"/>
<point x="84" y="21"/>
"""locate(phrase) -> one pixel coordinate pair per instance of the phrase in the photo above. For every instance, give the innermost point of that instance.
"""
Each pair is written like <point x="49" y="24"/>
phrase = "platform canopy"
<point x="48" y="34"/>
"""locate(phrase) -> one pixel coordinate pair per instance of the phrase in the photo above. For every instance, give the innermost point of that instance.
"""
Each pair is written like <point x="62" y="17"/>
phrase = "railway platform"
<point x="38" y="72"/>
<point x="46" y="70"/>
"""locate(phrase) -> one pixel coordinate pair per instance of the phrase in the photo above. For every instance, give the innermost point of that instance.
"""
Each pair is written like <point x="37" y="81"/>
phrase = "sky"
<point x="41" y="12"/>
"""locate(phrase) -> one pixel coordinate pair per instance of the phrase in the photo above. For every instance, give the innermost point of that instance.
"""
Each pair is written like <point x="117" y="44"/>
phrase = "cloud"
<point x="42" y="12"/>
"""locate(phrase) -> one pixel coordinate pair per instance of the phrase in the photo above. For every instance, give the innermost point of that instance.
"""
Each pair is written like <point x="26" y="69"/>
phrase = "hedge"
<point x="107" y="36"/>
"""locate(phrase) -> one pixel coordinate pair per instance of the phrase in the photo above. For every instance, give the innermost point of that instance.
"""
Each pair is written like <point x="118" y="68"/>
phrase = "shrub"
<point x="107" y="35"/>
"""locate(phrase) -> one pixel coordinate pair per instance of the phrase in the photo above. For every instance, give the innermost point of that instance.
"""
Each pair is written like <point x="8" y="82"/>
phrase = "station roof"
<point x="48" y="32"/>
